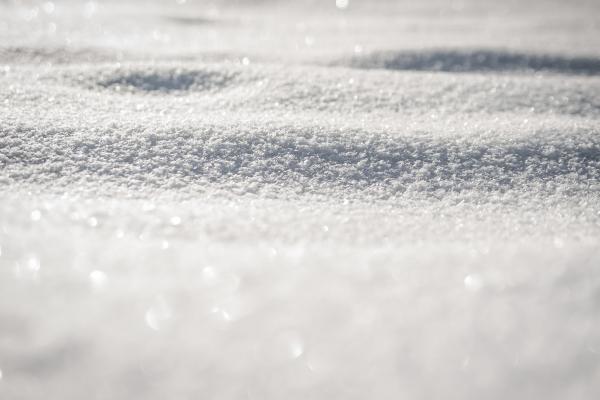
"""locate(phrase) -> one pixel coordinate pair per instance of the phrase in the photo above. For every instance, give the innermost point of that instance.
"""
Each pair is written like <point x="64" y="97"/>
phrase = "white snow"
<point x="317" y="199"/>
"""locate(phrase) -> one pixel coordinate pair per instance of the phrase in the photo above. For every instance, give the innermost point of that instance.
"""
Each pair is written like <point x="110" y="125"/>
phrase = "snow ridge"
<point x="309" y="157"/>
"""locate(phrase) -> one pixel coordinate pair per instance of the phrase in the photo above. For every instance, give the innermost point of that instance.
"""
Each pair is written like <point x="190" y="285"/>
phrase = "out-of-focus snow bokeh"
<point x="340" y="199"/>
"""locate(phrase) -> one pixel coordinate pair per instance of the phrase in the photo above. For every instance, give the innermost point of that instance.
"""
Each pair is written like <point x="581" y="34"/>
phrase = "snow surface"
<point x="317" y="199"/>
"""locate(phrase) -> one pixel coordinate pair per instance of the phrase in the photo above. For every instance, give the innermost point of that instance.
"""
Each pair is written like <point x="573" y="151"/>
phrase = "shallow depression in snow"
<point x="477" y="61"/>
<point x="170" y="80"/>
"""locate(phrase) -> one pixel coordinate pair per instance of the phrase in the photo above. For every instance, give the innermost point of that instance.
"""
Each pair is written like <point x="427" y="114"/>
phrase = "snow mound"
<point x="333" y="91"/>
<point x="308" y="156"/>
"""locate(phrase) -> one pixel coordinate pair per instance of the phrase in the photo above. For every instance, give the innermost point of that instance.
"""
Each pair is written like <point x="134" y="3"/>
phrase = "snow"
<point x="341" y="199"/>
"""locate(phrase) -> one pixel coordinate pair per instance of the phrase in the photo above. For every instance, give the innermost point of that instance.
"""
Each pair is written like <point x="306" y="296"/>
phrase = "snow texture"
<point x="318" y="199"/>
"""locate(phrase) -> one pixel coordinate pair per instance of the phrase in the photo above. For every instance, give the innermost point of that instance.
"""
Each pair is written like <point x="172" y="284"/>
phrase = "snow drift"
<point x="364" y="199"/>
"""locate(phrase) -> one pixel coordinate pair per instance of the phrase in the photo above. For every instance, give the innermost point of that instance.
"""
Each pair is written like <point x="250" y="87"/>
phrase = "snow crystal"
<point x="36" y="215"/>
<point x="98" y="279"/>
<point x="158" y="315"/>
<point x="473" y="282"/>
<point x="341" y="4"/>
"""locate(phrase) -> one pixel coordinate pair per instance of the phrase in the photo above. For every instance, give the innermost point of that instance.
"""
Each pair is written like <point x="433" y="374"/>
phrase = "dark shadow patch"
<point x="171" y="80"/>
<point x="191" y="20"/>
<point x="48" y="360"/>
<point x="475" y="61"/>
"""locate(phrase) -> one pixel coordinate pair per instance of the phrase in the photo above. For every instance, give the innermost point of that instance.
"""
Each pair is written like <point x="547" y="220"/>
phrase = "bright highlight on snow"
<point x="341" y="4"/>
<point x="98" y="279"/>
<point x="287" y="200"/>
